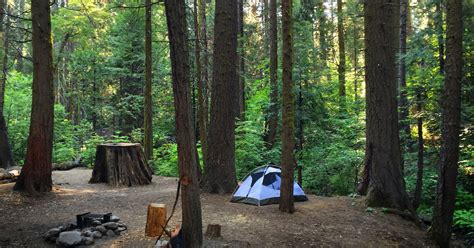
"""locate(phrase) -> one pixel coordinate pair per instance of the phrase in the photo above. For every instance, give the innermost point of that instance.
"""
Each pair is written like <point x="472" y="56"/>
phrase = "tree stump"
<point x="121" y="164"/>
<point x="155" y="220"/>
<point x="213" y="231"/>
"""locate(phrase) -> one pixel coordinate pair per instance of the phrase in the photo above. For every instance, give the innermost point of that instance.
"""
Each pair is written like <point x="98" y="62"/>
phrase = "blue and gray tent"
<point x="262" y="187"/>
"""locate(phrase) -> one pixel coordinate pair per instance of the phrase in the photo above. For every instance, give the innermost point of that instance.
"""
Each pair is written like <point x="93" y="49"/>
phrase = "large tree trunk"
<point x="202" y="92"/>
<point x="148" y="128"/>
<point x="385" y="185"/>
<point x="451" y="109"/>
<point x="220" y="172"/>
<point x="6" y="156"/>
<point x="341" y="67"/>
<point x="36" y="173"/>
<point x="288" y="112"/>
<point x="403" y="105"/>
<point x="185" y="137"/>
<point x="273" y="117"/>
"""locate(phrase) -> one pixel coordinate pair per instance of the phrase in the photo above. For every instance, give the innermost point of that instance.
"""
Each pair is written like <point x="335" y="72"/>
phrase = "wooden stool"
<point x="155" y="220"/>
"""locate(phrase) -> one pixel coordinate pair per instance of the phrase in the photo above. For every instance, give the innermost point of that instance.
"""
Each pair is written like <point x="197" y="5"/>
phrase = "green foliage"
<point x="249" y="148"/>
<point x="165" y="160"/>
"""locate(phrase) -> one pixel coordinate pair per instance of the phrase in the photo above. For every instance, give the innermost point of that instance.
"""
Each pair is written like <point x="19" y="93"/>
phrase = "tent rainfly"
<point x="262" y="187"/>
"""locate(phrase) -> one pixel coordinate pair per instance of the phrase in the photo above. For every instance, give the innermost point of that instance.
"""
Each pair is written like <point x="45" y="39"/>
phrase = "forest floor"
<point x="319" y="222"/>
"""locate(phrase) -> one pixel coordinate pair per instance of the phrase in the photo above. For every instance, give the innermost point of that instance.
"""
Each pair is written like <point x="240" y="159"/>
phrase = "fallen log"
<point x="68" y="165"/>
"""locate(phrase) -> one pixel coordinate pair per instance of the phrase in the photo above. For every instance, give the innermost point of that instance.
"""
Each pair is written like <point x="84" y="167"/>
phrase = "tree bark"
<point x="451" y="108"/>
<point x="386" y="187"/>
<point x="403" y="105"/>
<point x="273" y="116"/>
<point x="185" y="137"/>
<point x="36" y="173"/>
<point x="220" y="175"/>
<point x="341" y="67"/>
<point x="202" y="92"/>
<point x="288" y="112"/>
<point x="148" y="108"/>
<point x="6" y="155"/>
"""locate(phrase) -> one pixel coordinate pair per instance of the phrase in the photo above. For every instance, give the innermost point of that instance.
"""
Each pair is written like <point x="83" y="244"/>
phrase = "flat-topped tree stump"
<point x="121" y="164"/>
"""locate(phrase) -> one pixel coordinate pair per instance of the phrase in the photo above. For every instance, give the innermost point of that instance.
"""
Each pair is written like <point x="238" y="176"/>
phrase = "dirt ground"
<point x="319" y="222"/>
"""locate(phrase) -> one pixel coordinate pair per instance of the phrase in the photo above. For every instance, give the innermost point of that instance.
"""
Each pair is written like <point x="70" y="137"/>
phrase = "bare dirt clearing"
<point x="319" y="222"/>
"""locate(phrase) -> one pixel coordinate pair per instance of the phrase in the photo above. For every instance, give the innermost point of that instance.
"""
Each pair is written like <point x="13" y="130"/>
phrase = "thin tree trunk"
<point x="323" y="36"/>
<point x="20" y="6"/>
<point x="205" y="55"/>
<point x="288" y="112"/>
<point x="148" y="109"/>
<point x="419" y="174"/>
<point x="185" y="137"/>
<point x="451" y="108"/>
<point x="356" y="63"/>
<point x="403" y="105"/>
<point x="202" y="108"/>
<point x="220" y="176"/>
<point x="439" y="30"/>
<point x="273" y="117"/>
<point x="6" y="156"/>
<point x="386" y="187"/>
<point x="241" y="64"/>
<point x="36" y="173"/>
<point x="341" y="67"/>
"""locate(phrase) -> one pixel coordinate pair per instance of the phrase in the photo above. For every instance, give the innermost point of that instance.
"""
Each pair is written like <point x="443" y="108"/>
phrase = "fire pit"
<point x="86" y="229"/>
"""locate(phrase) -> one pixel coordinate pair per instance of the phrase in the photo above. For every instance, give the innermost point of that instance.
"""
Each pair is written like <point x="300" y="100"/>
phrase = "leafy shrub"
<point x="165" y="160"/>
<point x="463" y="222"/>
<point x="249" y="148"/>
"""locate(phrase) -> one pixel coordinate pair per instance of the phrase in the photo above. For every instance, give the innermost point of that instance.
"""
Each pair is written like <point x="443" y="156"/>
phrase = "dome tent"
<point x="262" y="187"/>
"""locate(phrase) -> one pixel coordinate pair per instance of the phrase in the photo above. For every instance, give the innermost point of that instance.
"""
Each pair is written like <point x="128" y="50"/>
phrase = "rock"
<point x="121" y="224"/>
<point x="101" y="229"/>
<point x="71" y="226"/>
<point x="111" y="225"/>
<point x="87" y="233"/>
<point x="114" y="218"/>
<point x="121" y="229"/>
<point x="62" y="228"/>
<point x="88" y="240"/>
<point x="71" y="238"/>
<point x="53" y="232"/>
<point x="97" y="234"/>
<point x="117" y="232"/>
<point x="110" y="233"/>
<point x="95" y="223"/>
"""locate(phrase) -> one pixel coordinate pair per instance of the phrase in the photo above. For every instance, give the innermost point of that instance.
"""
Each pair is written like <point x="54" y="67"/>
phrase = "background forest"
<point x="99" y="73"/>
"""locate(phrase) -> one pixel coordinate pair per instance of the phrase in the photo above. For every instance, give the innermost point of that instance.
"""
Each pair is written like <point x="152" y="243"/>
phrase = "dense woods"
<point x="349" y="97"/>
